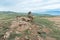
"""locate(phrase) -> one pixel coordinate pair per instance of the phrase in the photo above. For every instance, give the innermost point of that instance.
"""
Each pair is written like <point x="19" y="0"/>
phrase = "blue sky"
<point x="29" y="5"/>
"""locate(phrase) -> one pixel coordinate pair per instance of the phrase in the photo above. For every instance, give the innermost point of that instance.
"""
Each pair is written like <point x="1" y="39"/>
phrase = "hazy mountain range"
<point x="49" y="12"/>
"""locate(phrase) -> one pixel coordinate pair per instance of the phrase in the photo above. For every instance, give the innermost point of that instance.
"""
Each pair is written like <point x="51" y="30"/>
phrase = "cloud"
<point x="29" y="5"/>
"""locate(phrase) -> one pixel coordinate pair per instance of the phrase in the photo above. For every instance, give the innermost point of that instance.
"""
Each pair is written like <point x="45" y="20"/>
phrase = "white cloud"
<point x="31" y="5"/>
<point x="54" y="6"/>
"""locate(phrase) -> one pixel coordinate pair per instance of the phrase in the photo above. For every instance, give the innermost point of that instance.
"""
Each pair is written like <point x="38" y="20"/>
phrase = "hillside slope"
<point x="24" y="30"/>
<point x="21" y="28"/>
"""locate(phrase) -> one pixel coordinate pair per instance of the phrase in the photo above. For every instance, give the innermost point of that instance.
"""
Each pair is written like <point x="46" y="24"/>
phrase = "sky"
<point x="29" y="5"/>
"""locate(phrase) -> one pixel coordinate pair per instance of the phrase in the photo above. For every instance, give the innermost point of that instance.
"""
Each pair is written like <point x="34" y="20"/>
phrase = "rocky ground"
<point x="23" y="29"/>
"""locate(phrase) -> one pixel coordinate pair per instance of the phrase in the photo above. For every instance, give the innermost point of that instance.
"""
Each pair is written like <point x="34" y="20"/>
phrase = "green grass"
<point x="27" y="32"/>
<point x="40" y="21"/>
<point x="37" y="20"/>
<point x="13" y="35"/>
<point x="55" y="33"/>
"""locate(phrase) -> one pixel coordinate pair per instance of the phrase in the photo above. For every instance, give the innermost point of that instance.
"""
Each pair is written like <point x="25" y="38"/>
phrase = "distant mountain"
<point x="50" y="12"/>
<point x="46" y="13"/>
<point x="53" y="12"/>
<point x="37" y="14"/>
<point x="6" y="12"/>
